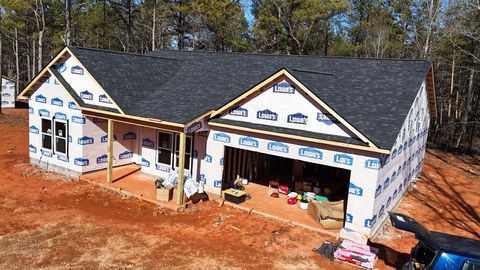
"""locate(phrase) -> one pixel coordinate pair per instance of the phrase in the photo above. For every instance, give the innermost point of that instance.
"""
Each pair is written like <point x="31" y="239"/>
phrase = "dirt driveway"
<point x="49" y="222"/>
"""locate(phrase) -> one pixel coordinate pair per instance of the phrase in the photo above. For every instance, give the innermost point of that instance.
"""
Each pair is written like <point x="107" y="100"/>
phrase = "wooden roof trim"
<point x="32" y="86"/>
<point x="94" y="80"/>
<point x="284" y="72"/>
<point x="199" y="117"/>
<point x="132" y="121"/>
<point x="136" y="118"/>
<point x="9" y="79"/>
<point x="302" y="138"/>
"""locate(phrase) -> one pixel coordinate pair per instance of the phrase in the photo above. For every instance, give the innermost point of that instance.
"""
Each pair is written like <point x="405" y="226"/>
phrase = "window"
<point x="47" y="134"/>
<point x="164" y="144"/>
<point x="61" y="137"/>
<point x="165" y="153"/>
<point x="188" y="151"/>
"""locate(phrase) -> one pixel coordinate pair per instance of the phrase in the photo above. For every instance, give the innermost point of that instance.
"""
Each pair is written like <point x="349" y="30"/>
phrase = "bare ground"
<point x="50" y="222"/>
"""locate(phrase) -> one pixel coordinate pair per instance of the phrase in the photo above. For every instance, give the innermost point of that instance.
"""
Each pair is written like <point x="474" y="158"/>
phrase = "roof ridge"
<point x="293" y="55"/>
<point x="122" y="53"/>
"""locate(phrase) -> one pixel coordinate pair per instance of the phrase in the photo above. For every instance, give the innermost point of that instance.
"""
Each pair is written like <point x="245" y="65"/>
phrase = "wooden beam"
<point x="110" y="151"/>
<point x="181" y="164"/>
<point x="133" y="120"/>
<point x="301" y="138"/>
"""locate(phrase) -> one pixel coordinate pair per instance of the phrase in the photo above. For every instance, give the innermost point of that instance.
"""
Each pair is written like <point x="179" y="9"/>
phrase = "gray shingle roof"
<point x="373" y="95"/>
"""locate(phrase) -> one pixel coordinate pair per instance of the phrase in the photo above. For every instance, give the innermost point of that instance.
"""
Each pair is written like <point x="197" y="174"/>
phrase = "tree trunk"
<point x="154" y="23"/>
<point x="34" y="59"/>
<point x="68" y="22"/>
<point x="467" y="108"/>
<point x="451" y="86"/>
<point x="17" y="65"/>
<point x="41" y="34"/>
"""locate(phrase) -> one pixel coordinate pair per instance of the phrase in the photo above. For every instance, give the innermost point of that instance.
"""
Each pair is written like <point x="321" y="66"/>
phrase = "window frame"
<point x="164" y="148"/>
<point x="64" y="138"/>
<point x="47" y="134"/>
<point x="187" y="152"/>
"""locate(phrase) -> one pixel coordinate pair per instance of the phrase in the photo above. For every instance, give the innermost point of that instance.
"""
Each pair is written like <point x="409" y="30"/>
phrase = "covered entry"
<point x="297" y="175"/>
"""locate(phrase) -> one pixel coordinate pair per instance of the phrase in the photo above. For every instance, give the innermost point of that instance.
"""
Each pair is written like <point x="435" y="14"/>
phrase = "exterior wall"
<point x="87" y="145"/>
<point x="285" y="105"/>
<point x="83" y="83"/>
<point x="148" y="155"/>
<point x="8" y="93"/>
<point x="406" y="159"/>
<point x="363" y="167"/>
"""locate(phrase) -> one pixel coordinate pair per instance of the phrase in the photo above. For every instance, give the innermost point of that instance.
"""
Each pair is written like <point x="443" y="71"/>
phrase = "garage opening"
<point x="326" y="182"/>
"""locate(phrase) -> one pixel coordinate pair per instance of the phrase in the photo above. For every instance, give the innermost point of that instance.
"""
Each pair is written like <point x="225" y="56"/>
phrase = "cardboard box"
<point x="315" y="211"/>
<point x="164" y="194"/>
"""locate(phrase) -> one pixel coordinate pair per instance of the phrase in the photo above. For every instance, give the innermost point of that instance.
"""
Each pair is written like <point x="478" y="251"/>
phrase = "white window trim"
<point x="54" y="146"/>
<point x="43" y="133"/>
<point x="158" y="147"/>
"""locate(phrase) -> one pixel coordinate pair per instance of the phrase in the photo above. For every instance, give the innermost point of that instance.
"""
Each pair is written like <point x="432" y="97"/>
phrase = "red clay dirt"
<point x="49" y="221"/>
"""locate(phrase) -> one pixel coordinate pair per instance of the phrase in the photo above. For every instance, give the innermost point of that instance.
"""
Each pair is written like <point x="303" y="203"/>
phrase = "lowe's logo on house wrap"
<point x="63" y="158"/>
<point x="267" y="115"/>
<point x="146" y="142"/>
<point x="6" y="95"/>
<point x="61" y="68"/>
<point x="349" y="218"/>
<point x="46" y="153"/>
<point x="162" y="168"/>
<point x="104" y="99"/>
<point x="248" y="141"/>
<point x="77" y="70"/>
<point x="382" y="209"/>
<point x="297" y="118"/>
<point x="221" y="161"/>
<point x="283" y="87"/>
<point x="40" y="99"/>
<point x="129" y="136"/>
<point x="5" y="102"/>
<point x="44" y="113"/>
<point x="32" y="148"/>
<point x="125" y="155"/>
<point x="221" y="137"/>
<point x="81" y="161"/>
<point x="388" y="202"/>
<point x="60" y="116"/>
<point x="203" y="178"/>
<point x="194" y="127"/>
<point x="386" y="182"/>
<point x="326" y="118"/>
<point x="102" y="159"/>
<point x="343" y="159"/>
<point x="78" y="119"/>
<point x="85" y="140"/>
<point x="86" y="95"/>
<point x="355" y="190"/>
<point x="104" y="138"/>
<point x="373" y="164"/>
<point x="217" y="183"/>
<point x="208" y="158"/>
<point x="310" y="153"/>
<point x="145" y="162"/>
<point x="72" y="105"/>
<point x="239" y="111"/>
<point x="57" y="102"/>
<point x="368" y="223"/>
<point x="30" y="110"/>
<point x="34" y="130"/>
<point x="277" y="147"/>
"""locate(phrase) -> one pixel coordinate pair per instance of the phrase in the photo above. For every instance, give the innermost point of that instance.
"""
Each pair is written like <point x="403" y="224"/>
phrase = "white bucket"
<point x="244" y="181"/>
<point x="304" y="205"/>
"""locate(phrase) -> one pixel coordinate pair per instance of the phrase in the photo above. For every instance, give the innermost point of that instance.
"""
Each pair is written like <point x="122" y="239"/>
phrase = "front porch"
<point x="130" y="180"/>
<point x="277" y="208"/>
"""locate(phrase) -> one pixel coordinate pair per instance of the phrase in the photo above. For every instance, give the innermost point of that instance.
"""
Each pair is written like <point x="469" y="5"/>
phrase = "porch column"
<point x="181" y="165"/>
<point x="110" y="152"/>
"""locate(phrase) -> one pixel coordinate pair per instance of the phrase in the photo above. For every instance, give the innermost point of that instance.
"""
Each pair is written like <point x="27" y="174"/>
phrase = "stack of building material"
<point x="358" y="254"/>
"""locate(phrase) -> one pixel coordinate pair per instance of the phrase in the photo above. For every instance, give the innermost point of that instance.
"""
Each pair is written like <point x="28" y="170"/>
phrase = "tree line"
<point x="445" y="31"/>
